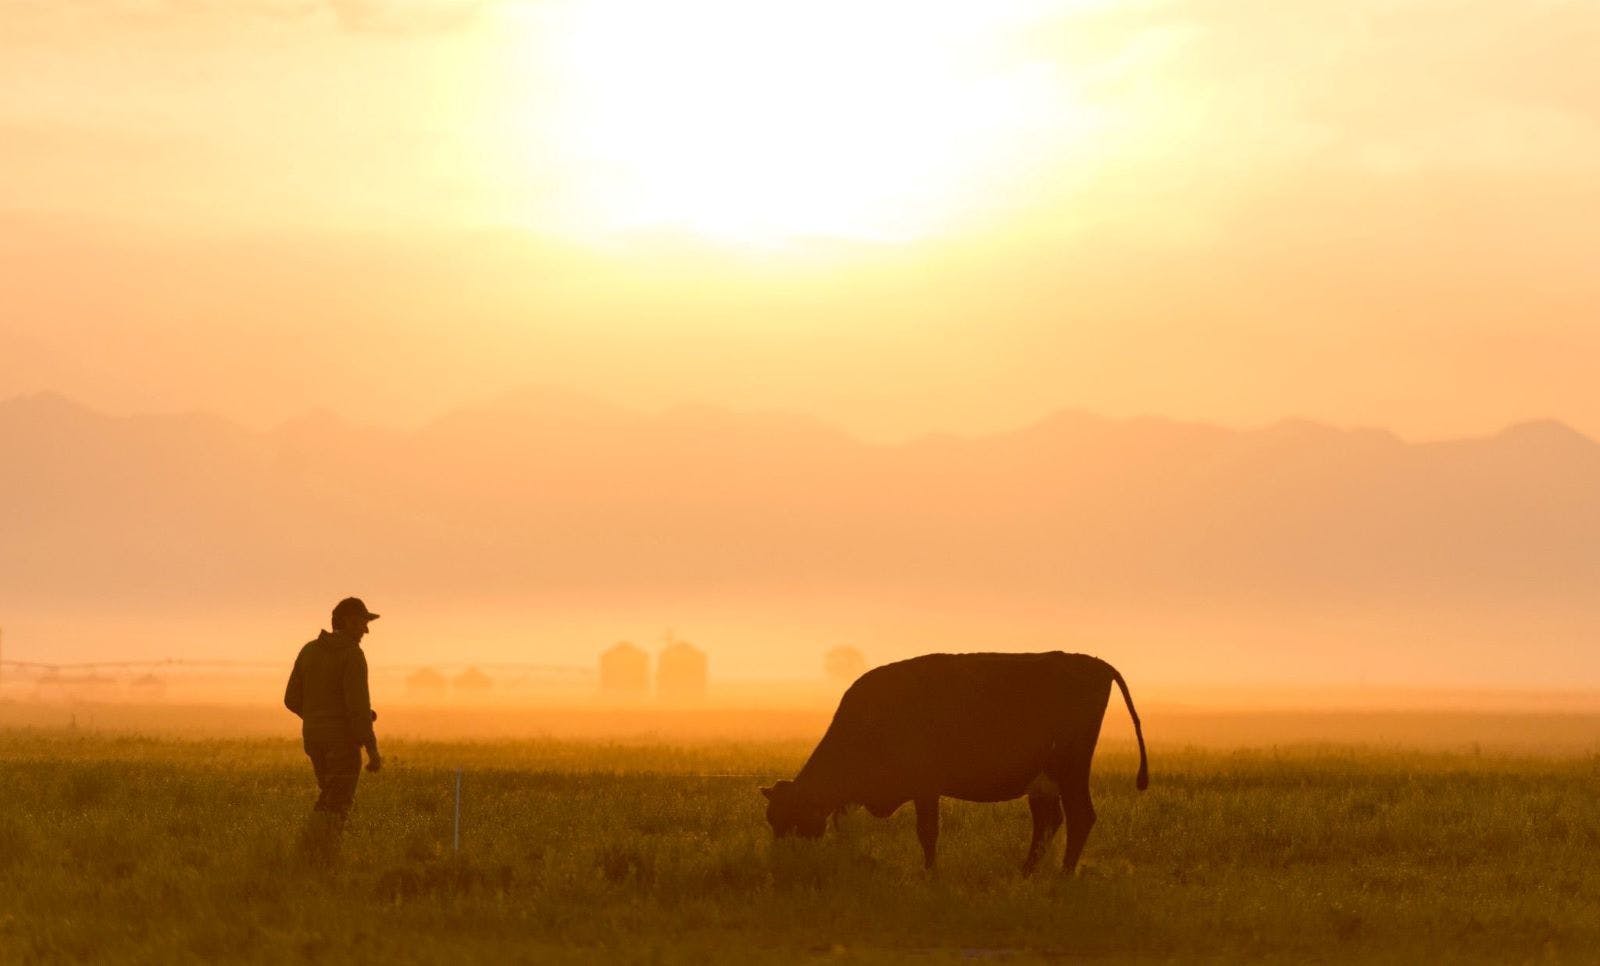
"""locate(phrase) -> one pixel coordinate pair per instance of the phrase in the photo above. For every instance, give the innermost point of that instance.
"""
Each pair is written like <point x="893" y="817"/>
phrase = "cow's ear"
<point x="767" y="792"/>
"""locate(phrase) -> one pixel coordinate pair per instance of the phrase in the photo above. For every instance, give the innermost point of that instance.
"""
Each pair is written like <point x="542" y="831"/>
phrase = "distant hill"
<point x="543" y="493"/>
<point x="548" y="487"/>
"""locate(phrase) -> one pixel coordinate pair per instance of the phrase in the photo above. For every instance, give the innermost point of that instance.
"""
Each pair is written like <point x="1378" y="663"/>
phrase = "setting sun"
<point x="759" y="123"/>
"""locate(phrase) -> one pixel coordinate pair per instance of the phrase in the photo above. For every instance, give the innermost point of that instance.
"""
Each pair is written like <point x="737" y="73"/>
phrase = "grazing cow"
<point x="978" y="727"/>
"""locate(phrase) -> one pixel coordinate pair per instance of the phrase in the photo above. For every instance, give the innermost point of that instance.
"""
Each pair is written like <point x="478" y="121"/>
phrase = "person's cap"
<point x="352" y="607"/>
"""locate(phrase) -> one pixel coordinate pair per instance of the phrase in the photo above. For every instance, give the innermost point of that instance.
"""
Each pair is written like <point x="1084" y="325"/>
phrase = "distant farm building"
<point x="624" y="671"/>
<point x="426" y="683"/>
<point x="148" y="686"/>
<point x="843" y="665"/>
<point x="472" y="680"/>
<point x="681" y="672"/>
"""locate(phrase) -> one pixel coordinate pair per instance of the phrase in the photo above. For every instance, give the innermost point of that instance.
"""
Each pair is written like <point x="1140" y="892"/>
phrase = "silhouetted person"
<point x="328" y="690"/>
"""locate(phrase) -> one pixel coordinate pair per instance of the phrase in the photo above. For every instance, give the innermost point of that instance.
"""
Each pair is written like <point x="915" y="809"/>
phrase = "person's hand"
<point x="374" y="763"/>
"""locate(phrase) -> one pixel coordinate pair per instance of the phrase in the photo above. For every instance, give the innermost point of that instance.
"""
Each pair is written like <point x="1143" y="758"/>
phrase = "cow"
<point x="978" y="727"/>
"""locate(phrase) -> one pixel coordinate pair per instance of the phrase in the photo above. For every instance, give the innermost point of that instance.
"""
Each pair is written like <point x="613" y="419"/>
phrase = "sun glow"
<point x="759" y="123"/>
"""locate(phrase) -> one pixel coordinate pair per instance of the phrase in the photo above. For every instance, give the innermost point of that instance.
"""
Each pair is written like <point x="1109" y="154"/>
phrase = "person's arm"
<point x="294" y="696"/>
<point x="358" y="706"/>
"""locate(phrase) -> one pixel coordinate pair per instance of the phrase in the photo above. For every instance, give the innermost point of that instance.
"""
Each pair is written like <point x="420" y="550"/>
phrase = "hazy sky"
<point x="899" y="216"/>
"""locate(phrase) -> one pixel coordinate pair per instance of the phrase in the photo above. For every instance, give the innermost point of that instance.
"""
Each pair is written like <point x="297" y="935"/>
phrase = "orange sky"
<point x="897" y="216"/>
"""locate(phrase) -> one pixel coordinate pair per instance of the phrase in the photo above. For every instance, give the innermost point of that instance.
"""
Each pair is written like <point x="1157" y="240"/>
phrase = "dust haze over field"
<point x="541" y="527"/>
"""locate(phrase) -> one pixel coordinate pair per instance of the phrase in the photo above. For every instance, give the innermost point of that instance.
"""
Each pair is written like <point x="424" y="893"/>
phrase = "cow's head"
<point x="790" y="810"/>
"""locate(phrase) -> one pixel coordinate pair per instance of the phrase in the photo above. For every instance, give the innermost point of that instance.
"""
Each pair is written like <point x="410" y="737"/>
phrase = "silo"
<point x="624" y="671"/>
<point x="472" y="680"/>
<point x="681" y="673"/>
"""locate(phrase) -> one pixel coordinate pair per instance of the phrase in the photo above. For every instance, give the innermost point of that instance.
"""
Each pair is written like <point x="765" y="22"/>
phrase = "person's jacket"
<point x="328" y="690"/>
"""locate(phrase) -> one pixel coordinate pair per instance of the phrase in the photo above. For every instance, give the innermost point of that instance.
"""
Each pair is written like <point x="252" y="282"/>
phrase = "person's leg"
<point x="318" y="753"/>
<point x="337" y="767"/>
<point x="316" y="836"/>
<point x="341" y="769"/>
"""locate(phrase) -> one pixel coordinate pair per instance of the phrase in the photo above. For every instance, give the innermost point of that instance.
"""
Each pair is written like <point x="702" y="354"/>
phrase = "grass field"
<point x="164" y="849"/>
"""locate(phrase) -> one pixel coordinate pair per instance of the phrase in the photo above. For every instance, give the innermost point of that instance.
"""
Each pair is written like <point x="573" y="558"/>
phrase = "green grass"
<point x="162" y="850"/>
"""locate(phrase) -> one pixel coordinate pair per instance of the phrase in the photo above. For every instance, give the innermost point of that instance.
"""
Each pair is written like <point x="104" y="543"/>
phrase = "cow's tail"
<point x="1143" y="781"/>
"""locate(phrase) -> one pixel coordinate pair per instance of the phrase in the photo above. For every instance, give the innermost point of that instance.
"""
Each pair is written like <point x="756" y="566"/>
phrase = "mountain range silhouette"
<point x="544" y="489"/>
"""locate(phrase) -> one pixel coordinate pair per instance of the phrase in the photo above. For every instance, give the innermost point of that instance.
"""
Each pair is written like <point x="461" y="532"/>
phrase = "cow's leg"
<point x="1075" y="801"/>
<point x="1046" y="808"/>
<point x="928" y="828"/>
